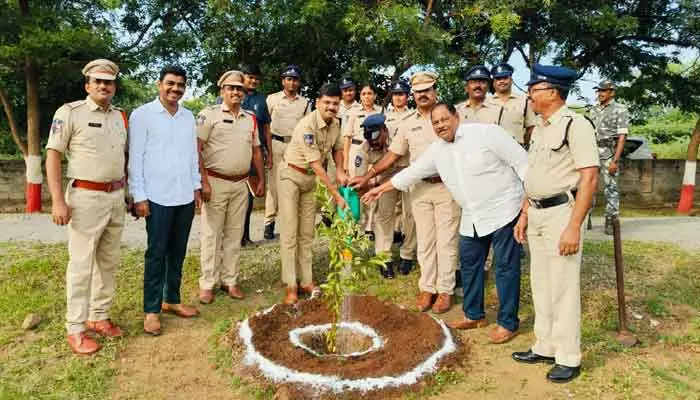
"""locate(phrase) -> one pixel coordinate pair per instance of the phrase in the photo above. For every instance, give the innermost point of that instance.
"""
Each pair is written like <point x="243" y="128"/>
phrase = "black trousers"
<point x="168" y="229"/>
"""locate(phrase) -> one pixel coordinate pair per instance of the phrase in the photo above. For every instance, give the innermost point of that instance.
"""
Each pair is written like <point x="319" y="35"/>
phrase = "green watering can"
<point x="352" y="198"/>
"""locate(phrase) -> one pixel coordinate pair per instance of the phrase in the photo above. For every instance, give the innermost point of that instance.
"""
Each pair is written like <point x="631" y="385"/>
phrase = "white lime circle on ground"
<point x="357" y="327"/>
<point x="279" y="373"/>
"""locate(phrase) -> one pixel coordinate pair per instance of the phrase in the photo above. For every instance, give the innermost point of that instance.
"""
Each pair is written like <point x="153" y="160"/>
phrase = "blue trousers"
<point x="472" y="258"/>
<point x="168" y="229"/>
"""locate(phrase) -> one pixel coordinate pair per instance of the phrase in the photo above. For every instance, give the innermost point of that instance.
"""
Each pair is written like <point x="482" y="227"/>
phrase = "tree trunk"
<point x="12" y="122"/>
<point x="685" y="205"/>
<point x="32" y="159"/>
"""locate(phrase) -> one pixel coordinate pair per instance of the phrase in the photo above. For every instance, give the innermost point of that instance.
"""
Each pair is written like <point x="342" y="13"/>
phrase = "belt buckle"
<point x="112" y="187"/>
<point x="535" y="203"/>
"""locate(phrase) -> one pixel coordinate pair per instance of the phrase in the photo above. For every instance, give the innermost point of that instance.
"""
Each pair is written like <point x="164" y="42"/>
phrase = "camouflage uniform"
<point x="611" y="121"/>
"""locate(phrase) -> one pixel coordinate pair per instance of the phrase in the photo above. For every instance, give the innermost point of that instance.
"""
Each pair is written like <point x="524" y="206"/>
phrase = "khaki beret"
<point x="423" y="80"/>
<point x="232" y="78"/>
<point x="101" y="69"/>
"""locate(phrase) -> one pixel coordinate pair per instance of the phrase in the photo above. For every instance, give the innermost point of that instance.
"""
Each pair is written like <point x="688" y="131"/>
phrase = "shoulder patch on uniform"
<point x="358" y="161"/>
<point x="408" y="115"/>
<point x="309" y="138"/>
<point x="75" y="104"/>
<point x="56" y="126"/>
<point x="200" y="119"/>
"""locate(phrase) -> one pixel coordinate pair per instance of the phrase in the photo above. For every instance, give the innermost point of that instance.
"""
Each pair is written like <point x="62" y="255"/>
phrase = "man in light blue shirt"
<point x="483" y="169"/>
<point x="165" y="182"/>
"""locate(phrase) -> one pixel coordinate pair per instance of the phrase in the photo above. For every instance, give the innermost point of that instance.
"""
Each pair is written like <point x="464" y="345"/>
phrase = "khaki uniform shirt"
<point x="344" y="112"/>
<point x="355" y="119"/>
<point x="393" y="119"/>
<point x="414" y="135"/>
<point x="93" y="140"/>
<point x="553" y="172"/>
<point x="228" y="139"/>
<point x="515" y="115"/>
<point x="285" y="112"/>
<point x="367" y="156"/>
<point x="486" y="112"/>
<point x="313" y="140"/>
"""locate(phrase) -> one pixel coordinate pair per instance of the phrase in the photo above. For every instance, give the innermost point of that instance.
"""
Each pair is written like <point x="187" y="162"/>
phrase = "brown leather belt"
<point x="304" y="171"/>
<point x="232" y="178"/>
<point x="432" y="179"/>
<point x="99" y="186"/>
<point x="280" y="138"/>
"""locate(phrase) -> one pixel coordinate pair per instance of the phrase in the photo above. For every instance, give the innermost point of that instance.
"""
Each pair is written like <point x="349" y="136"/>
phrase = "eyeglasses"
<point x="231" y="88"/>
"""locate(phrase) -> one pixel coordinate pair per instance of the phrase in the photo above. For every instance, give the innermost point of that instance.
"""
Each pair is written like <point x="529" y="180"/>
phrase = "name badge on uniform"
<point x="309" y="138"/>
<point x="358" y="161"/>
<point x="228" y="121"/>
<point x="95" y="125"/>
<point x="415" y="128"/>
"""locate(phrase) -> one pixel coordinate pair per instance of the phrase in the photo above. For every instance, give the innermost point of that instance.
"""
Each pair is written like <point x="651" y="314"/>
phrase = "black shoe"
<point x="246" y="242"/>
<point x="562" y="374"/>
<point x="531" y="358"/>
<point x="388" y="272"/>
<point x="370" y="235"/>
<point x="269" y="231"/>
<point x="398" y="237"/>
<point x="405" y="266"/>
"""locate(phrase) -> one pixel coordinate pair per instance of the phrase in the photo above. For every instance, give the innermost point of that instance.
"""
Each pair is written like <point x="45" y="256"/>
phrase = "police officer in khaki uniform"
<point x="92" y="134"/>
<point x="348" y="103"/>
<point x="476" y="108"/>
<point x="314" y="138"/>
<point x="286" y="108"/>
<point x="560" y="184"/>
<point x="515" y="116"/>
<point x="374" y="145"/>
<point x="436" y="213"/>
<point x="228" y="140"/>
<point x="405" y="225"/>
<point x="353" y="134"/>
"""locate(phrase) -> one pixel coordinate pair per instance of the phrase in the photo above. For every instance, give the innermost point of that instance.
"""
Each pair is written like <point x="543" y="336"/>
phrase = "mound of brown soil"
<point x="409" y="338"/>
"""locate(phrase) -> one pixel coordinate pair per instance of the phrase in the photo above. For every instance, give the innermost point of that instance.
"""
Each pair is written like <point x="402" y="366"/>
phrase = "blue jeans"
<point x="168" y="229"/>
<point x="472" y="258"/>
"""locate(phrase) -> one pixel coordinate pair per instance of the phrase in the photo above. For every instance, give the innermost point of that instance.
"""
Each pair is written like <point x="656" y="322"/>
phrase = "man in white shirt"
<point x="165" y="182"/>
<point x="483" y="169"/>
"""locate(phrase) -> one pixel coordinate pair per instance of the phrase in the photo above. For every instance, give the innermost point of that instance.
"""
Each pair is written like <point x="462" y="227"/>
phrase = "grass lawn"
<point x="663" y="294"/>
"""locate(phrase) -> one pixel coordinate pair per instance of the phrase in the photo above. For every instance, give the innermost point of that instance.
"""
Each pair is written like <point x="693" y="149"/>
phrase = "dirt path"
<point x="172" y="366"/>
<point x="679" y="230"/>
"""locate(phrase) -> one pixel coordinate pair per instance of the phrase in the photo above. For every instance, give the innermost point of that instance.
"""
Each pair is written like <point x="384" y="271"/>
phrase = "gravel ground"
<point x="683" y="231"/>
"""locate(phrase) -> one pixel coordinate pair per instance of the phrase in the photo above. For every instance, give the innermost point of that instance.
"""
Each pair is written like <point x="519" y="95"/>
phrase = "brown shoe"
<point x="291" y="297"/>
<point x="180" y="310"/>
<point x="233" y="291"/>
<point x="442" y="304"/>
<point x="308" y="289"/>
<point x="151" y="324"/>
<point x="424" y="301"/>
<point x="500" y="335"/>
<point x="81" y="343"/>
<point x="206" y="296"/>
<point x="466" y="323"/>
<point x="104" y="328"/>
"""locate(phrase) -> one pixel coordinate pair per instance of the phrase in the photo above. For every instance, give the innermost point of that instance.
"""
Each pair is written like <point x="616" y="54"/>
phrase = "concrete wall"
<point x="643" y="183"/>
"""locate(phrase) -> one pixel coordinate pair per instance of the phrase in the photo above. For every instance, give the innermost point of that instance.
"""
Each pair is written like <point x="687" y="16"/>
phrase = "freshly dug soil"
<point x="409" y="338"/>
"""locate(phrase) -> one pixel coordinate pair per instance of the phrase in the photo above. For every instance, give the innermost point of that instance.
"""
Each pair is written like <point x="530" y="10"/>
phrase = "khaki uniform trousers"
<point x="556" y="290"/>
<point x="272" y="181"/>
<point x="407" y="251"/>
<point x="94" y="236"/>
<point x="222" y="219"/>
<point x="384" y="222"/>
<point x="437" y="218"/>
<point x="297" y="212"/>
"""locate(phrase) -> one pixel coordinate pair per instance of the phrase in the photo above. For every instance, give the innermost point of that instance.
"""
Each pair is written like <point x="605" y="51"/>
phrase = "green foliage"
<point x="350" y="257"/>
<point x="196" y="104"/>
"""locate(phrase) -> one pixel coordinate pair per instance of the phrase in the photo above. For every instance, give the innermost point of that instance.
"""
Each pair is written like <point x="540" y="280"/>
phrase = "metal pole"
<point x="623" y="336"/>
